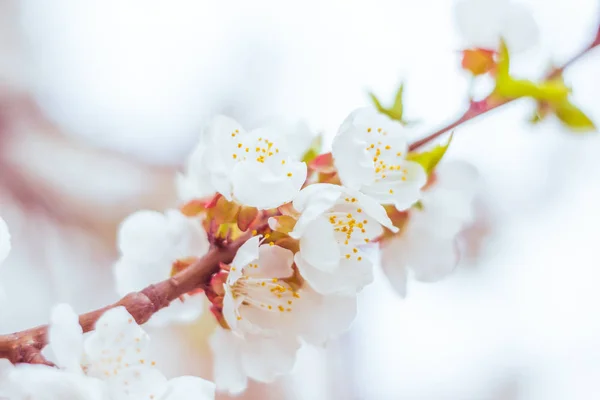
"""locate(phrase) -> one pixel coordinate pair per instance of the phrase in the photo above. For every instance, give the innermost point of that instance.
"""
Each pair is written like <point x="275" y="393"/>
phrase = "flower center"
<point x="265" y="294"/>
<point x="385" y="158"/>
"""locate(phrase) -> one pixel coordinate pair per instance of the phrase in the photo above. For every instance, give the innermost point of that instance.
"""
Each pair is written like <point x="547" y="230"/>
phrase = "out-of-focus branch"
<point x="477" y="108"/>
<point x="26" y="346"/>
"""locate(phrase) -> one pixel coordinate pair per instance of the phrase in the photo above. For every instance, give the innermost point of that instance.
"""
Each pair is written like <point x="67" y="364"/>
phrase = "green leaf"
<point x="314" y="150"/>
<point x="395" y="112"/>
<point x="509" y="87"/>
<point x="430" y="159"/>
<point x="573" y="117"/>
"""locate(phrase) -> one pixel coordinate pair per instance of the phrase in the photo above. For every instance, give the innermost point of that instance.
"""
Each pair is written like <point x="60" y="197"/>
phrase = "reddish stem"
<point x="25" y="346"/>
<point x="490" y="103"/>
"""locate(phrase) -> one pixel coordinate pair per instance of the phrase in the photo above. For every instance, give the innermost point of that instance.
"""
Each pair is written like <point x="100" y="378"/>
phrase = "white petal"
<point x="354" y="164"/>
<point x="117" y="340"/>
<point x="348" y="279"/>
<point x="394" y="264"/>
<point x="189" y="388"/>
<point x="180" y="311"/>
<point x="65" y="337"/>
<point x="520" y="30"/>
<point x="137" y="383"/>
<point x="140" y="232"/>
<point x="480" y="22"/>
<point x="196" y="183"/>
<point x="319" y="246"/>
<point x="4" y="240"/>
<point x="375" y="211"/>
<point x="231" y="309"/>
<point x="298" y="136"/>
<point x="323" y="317"/>
<point x="273" y="262"/>
<point x="229" y="374"/>
<point x="131" y="275"/>
<point x="247" y="253"/>
<point x="313" y="201"/>
<point x="40" y="382"/>
<point x="435" y="259"/>
<point x="258" y="185"/>
<point x="264" y="358"/>
<point x="457" y="175"/>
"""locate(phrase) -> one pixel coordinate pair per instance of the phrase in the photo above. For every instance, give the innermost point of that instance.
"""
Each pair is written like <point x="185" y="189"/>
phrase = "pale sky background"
<point x="522" y="323"/>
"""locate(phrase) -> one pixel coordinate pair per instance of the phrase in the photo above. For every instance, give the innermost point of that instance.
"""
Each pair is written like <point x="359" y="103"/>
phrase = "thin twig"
<point x="26" y="346"/>
<point x="490" y="103"/>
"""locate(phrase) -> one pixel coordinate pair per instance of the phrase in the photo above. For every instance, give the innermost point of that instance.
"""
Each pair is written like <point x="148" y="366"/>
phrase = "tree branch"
<point x="477" y="108"/>
<point x="26" y="346"/>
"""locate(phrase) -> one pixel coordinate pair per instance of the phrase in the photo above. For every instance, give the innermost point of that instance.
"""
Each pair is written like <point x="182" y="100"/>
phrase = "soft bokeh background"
<point x="100" y="101"/>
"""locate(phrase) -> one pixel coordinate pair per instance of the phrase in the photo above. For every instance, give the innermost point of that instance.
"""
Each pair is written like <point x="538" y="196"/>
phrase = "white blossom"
<point x="149" y="243"/>
<point x="427" y="244"/>
<point x="483" y="23"/>
<point x="255" y="168"/>
<point x="262" y="358"/>
<point x="259" y="300"/>
<point x="334" y="225"/>
<point x="4" y="240"/>
<point x="370" y="152"/>
<point x="110" y="363"/>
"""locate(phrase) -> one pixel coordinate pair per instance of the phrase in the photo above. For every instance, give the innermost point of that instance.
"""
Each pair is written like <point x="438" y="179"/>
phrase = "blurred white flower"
<point x="427" y="244"/>
<point x="334" y="224"/>
<point x="149" y="243"/>
<point x="262" y="358"/>
<point x="255" y="168"/>
<point x="258" y="300"/>
<point x="370" y="152"/>
<point x="110" y="363"/>
<point x="4" y="240"/>
<point x="482" y="23"/>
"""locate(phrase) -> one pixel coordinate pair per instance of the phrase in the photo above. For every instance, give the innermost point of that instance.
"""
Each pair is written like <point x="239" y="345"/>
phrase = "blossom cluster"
<point x="315" y="226"/>
<point x="313" y="221"/>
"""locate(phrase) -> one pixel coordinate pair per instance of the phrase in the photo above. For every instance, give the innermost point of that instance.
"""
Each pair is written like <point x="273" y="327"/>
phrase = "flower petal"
<point x="65" y="337"/>
<point x="258" y="185"/>
<point x="4" y="240"/>
<point x="196" y="183"/>
<point x="521" y="30"/>
<point x="247" y="253"/>
<point x="348" y="279"/>
<point x="137" y="383"/>
<point x="189" y="388"/>
<point x="265" y="358"/>
<point x="39" y="382"/>
<point x="181" y="311"/>
<point x="375" y="210"/>
<point x="481" y="22"/>
<point x="354" y="165"/>
<point x="313" y="201"/>
<point x="117" y="341"/>
<point x="273" y="262"/>
<point x="229" y="375"/>
<point x="319" y="246"/>
<point x="321" y="318"/>
<point x="394" y="263"/>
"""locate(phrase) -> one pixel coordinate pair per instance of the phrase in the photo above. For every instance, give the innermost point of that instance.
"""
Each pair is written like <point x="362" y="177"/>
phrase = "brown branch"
<point x="26" y="346"/>
<point x="477" y="108"/>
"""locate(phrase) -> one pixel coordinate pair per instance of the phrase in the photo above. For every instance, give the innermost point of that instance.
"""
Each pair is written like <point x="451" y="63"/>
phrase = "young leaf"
<point x="509" y="87"/>
<point x="430" y="159"/>
<point x="394" y="112"/>
<point x="573" y="117"/>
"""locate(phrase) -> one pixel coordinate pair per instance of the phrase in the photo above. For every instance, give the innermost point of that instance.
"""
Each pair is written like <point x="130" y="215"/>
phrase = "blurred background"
<point x="100" y="102"/>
